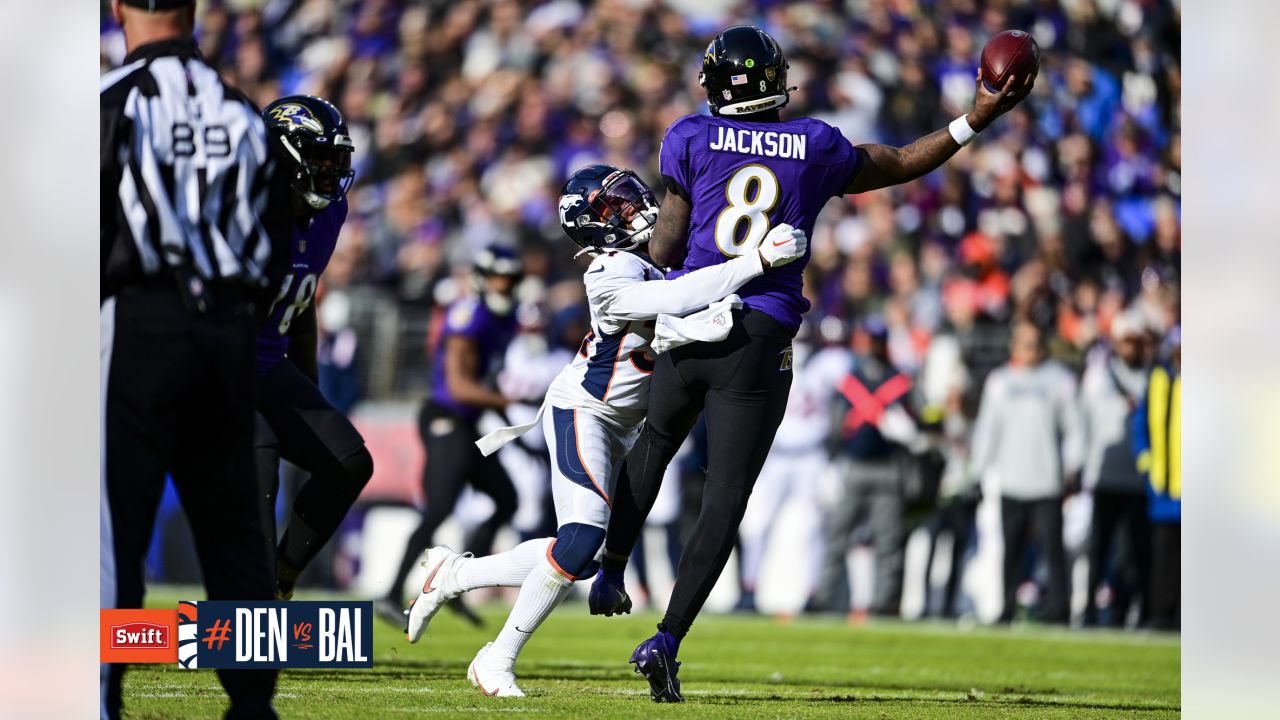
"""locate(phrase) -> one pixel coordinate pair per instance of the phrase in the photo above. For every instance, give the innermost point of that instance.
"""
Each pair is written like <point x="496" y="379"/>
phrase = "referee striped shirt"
<point x="187" y="177"/>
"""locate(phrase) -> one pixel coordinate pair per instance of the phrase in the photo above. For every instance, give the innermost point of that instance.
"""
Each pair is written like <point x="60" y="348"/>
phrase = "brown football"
<point x="1010" y="53"/>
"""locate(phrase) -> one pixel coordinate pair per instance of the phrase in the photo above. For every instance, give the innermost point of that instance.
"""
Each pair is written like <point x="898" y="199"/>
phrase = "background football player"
<point x="592" y="410"/>
<point x="468" y="358"/>
<point x="295" y="421"/>
<point x="731" y="177"/>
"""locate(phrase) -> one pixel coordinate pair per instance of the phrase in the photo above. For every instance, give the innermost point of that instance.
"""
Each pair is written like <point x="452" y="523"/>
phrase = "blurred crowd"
<point x="467" y="116"/>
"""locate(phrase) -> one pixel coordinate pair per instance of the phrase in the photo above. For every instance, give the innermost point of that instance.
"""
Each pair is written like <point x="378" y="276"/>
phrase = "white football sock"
<point x="505" y="569"/>
<point x="541" y="593"/>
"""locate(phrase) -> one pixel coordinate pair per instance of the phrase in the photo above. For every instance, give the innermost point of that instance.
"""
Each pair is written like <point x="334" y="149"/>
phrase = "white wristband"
<point x="961" y="132"/>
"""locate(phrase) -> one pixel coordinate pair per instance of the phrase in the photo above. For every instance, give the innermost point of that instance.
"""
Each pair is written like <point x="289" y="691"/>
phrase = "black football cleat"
<point x="655" y="659"/>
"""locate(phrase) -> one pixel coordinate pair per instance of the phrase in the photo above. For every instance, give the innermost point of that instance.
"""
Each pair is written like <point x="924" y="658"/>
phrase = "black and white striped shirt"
<point x="187" y="176"/>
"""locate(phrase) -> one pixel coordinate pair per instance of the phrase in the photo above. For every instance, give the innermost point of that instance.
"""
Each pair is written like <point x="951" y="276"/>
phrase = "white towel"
<point x="491" y="443"/>
<point x="710" y="325"/>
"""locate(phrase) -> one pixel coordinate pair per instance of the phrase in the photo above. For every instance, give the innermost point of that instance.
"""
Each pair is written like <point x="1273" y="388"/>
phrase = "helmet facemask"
<point x="491" y="264"/>
<point x="324" y="173"/>
<point x="623" y="209"/>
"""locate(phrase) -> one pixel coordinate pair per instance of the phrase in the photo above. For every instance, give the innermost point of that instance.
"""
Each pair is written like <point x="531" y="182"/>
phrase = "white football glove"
<point x="643" y="225"/>
<point x="783" y="244"/>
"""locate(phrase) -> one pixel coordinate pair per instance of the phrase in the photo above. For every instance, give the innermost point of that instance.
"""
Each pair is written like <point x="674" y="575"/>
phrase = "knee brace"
<point x="575" y="548"/>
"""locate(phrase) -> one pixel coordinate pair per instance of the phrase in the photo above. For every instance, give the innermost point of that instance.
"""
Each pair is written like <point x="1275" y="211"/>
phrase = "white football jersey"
<point x="610" y="372"/>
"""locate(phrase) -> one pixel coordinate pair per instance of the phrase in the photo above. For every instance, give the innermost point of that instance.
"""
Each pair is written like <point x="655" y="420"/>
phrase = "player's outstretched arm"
<point x="671" y="231"/>
<point x="646" y="300"/>
<point x="884" y="165"/>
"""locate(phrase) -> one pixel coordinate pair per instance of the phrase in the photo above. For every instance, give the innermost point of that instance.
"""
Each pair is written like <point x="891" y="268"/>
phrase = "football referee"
<point x="190" y="243"/>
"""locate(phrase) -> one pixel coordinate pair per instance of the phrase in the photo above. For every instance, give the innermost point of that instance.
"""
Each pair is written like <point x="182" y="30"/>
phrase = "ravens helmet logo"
<point x="297" y="115"/>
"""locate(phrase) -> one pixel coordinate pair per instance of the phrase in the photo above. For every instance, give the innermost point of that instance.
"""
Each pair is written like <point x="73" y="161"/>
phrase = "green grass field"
<point x="733" y="667"/>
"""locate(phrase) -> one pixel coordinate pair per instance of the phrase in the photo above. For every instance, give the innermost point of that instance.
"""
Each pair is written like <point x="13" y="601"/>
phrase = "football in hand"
<point x="1010" y="53"/>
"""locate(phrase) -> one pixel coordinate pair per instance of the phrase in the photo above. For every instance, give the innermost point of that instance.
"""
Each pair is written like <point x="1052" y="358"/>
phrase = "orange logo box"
<point x="138" y="636"/>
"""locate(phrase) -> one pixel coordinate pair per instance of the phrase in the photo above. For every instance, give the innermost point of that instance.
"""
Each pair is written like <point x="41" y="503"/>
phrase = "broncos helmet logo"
<point x="299" y="116"/>
<point x="567" y="203"/>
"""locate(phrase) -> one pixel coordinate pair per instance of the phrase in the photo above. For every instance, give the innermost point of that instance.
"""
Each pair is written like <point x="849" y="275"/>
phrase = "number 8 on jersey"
<point x="752" y="193"/>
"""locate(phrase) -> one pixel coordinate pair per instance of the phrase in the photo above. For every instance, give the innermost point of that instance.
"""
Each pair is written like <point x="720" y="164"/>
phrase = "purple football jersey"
<point x="471" y="318"/>
<point x="743" y="177"/>
<point x="311" y="250"/>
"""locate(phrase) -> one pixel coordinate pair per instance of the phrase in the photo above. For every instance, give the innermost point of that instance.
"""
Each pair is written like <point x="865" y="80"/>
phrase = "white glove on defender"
<point x="642" y="225"/>
<point x="783" y="244"/>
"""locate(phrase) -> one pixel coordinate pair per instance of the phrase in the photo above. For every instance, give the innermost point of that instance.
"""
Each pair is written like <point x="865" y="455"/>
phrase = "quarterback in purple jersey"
<point x="295" y="421"/>
<point x="466" y="361"/>
<point x="730" y="177"/>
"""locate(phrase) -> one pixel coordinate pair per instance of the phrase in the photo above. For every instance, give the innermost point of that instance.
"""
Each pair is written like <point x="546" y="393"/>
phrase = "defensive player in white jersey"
<point x="593" y="407"/>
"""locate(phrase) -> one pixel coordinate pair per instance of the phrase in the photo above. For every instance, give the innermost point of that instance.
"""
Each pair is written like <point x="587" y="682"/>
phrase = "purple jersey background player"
<point x="743" y="177"/>
<point x="471" y="318"/>
<point x="295" y="421"/>
<point x="311" y="250"/>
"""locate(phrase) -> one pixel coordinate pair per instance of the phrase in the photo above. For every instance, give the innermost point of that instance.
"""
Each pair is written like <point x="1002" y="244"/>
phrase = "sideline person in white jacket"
<point x="1028" y="443"/>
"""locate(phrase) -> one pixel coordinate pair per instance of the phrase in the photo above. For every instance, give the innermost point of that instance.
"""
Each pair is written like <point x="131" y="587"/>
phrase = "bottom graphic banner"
<point x="297" y="634"/>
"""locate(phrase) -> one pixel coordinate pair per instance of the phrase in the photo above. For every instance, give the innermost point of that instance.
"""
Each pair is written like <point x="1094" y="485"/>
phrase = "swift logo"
<point x="135" y="635"/>
<point x="139" y="635"/>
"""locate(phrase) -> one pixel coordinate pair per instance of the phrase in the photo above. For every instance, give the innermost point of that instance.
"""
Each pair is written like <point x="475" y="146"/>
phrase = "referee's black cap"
<point x="154" y="5"/>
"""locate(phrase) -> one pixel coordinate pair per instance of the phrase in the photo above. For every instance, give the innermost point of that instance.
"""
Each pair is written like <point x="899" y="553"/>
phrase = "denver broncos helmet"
<point x="605" y="208"/>
<point x="316" y="147"/>
<point x="744" y="71"/>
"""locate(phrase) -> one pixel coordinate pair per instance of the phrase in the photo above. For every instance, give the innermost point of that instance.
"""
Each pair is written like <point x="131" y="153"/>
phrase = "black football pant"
<point x="453" y="461"/>
<point x="1166" y="576"/>
<point x="741" y="384"/>
<point x="297" y="423"/>
<point x="1111" y="511"/>
<point x="178" y="400"/>
<point x="1020" y="519"/>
